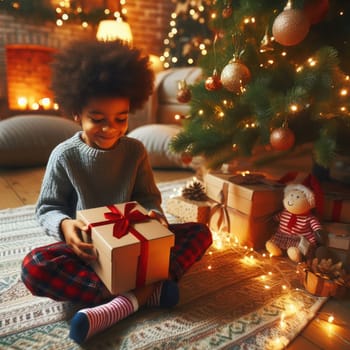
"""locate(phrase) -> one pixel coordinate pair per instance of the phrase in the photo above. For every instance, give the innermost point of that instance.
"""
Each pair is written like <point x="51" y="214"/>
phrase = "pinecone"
<point x="195" y="192"/>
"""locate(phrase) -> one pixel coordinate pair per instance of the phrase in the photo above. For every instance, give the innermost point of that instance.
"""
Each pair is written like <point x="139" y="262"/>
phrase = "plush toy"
<point x="298" y="230"/>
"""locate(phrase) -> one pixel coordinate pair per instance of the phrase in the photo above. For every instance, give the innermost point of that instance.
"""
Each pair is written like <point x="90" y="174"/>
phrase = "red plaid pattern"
<point x="55" y="271"/>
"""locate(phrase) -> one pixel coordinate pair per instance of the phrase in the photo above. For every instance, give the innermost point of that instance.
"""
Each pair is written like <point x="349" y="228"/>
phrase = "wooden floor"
<point x="21" y="187"/>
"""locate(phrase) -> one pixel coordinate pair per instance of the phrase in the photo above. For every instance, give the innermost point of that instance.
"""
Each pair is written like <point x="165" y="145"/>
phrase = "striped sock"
<point x="165" y="294"/>
<point x="90" y="321"/>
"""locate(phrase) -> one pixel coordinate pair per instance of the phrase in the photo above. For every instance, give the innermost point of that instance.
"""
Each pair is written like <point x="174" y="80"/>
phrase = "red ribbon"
<point x="122" y="226"/>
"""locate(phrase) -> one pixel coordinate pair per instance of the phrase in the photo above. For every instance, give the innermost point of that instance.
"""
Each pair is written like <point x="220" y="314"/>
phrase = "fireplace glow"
<point x="45" y="103"/>
<point x="29" y="77"/>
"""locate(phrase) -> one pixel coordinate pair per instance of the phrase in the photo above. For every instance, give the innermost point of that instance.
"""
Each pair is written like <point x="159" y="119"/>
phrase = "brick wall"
<point x="149" y="21"/>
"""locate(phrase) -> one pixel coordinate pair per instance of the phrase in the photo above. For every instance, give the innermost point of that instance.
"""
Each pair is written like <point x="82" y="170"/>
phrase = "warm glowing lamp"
<point x="114" y="29"/>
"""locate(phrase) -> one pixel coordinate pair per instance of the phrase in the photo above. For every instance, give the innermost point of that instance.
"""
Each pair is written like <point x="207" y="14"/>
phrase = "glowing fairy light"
<point x="282" y="321"/>
<point x="312" y="62"/>
<point x="294" y="108"/>
<point x="330" y="319"/>
<point x="343" y="92"/>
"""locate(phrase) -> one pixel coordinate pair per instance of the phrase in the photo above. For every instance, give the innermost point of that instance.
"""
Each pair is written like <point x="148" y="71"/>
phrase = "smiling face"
<point x="296" y="202"/>
<point x="104" y="121"/>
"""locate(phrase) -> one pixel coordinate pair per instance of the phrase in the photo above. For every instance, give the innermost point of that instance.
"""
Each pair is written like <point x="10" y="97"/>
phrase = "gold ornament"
<point x="234" y="76"/>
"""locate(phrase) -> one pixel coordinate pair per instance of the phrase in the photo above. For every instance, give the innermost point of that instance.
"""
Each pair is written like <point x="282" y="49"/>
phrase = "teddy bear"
<point x="299" y="231"/>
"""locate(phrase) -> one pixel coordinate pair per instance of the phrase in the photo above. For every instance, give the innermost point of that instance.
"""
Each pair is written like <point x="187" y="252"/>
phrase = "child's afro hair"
<point x="88" y="68"/>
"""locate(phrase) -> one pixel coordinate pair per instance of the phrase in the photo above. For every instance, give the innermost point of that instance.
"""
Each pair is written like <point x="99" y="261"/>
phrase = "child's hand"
<point x="155" y="215"/>
<point x="72" y="233"/>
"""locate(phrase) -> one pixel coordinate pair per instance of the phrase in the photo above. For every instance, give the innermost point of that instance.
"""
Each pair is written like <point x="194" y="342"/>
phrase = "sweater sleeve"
<point x="146" y="191"/>
<point x="56" y="198"/>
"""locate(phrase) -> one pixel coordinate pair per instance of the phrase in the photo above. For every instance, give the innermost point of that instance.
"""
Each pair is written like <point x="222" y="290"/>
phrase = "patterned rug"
<point x="232" y="299"/>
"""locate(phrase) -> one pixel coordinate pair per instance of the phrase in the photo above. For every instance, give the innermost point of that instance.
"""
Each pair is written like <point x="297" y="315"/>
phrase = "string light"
<point x="195" y="44"/>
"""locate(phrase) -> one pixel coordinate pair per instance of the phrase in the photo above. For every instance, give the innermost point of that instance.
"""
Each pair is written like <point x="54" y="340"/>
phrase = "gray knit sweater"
<point x="80" y="177"/>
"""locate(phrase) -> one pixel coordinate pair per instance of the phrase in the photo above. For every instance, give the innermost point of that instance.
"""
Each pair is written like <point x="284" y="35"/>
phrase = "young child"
<point x="98" y="84"/>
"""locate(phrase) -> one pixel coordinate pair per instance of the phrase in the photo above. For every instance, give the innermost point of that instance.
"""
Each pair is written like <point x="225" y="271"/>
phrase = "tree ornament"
<point x="186" y="158"/>
<point x="195" y="192"/>
<point x="316" y="10"/>
<point x="183" y="92"/>
<point x="227" y="11"/>
<point x="282" y="139"/>
<point x="235" y="75"/>
<point x="213" y="83"/>
<point x="291" y="26"/>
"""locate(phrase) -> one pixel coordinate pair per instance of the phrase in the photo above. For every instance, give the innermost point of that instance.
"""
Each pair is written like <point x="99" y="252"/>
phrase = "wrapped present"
<point x="249" y="230"/>
<point x="132" y="249"/>
<point x="321" y="283"/>
<point x="188" y="210"/>
<point x="253" y="194"/>
<point x="246" y="205"/>
<point x="336" y="203"/>
<point x="338" y="235"/>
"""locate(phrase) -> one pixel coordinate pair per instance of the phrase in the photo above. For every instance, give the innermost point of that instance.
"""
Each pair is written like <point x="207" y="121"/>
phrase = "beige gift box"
<point x="249" y="208"/>
<point x="138" y="258"/>
<point x="338" y="235"/>
<point x="250" y="231"/>
<point x="188" y="210"/>
<point x="257" y="199"/>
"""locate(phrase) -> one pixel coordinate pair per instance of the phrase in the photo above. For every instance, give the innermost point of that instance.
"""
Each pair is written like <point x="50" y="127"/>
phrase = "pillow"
<point x="27" y="140"/>
<point x="156" y="138"/>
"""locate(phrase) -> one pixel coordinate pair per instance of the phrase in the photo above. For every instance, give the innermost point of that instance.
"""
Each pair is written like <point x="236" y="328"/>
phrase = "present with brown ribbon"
<point x="251" y="194"/>
<point x="132" y="249"/>
<point x="245" y="205"/>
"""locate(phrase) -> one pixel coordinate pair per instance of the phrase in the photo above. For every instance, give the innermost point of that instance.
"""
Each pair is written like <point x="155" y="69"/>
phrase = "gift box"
<point x="188" y="210"/>
<point x="253" y="195"/>
<point x="248" y="203"/>
<point x="336" y="206"/>
<point x="252" y="231"/>
<point x="320" y="285"/>
<point x="132" y="249"/>
<point x="338" y="235"/>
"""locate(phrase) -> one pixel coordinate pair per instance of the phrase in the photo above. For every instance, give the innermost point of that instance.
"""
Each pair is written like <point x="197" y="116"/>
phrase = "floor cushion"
<point x="156" y="139"/>
<point x="27" y="140"/>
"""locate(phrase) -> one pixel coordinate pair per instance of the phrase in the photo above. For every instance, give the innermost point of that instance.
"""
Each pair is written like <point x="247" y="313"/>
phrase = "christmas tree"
<point x="189" y="34"/>
<point x="276" y="76"/>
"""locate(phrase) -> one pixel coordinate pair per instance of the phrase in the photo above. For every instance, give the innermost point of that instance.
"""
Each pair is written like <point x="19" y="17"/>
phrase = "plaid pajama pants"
<point x="55" y="271"/>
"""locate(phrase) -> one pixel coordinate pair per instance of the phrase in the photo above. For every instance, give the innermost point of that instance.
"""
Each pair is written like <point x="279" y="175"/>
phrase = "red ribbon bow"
<point x="122" y="225"/>
<point x="122" y="221"/>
